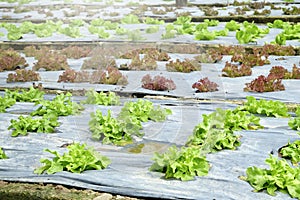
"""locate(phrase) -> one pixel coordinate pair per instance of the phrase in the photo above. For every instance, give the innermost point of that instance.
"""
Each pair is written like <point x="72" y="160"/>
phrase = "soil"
<point x="33" y="191"/>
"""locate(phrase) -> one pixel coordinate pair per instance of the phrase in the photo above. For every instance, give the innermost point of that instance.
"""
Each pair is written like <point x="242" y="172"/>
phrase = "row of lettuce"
<point x="216" y="132"/>
<point x="106" y="71"/>
<point x="245" y="32"/>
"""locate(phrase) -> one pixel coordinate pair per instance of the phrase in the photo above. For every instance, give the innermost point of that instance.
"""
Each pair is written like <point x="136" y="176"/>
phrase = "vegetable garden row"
<point x="150" y="71"/>
<point x="153" y="30"/>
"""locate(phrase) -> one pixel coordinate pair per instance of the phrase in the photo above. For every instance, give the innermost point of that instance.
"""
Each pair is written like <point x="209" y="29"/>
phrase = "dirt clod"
<point x="104" y="196"/>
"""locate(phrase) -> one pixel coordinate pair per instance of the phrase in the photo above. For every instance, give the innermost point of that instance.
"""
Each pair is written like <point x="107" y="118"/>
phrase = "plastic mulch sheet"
<point x="128" y="173"/>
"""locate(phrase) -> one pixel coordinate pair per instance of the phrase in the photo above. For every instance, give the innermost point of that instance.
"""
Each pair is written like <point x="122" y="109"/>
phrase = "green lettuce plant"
<point x="250" y="33"/>
<point x="97" y="22"/>
<point x="205" y="34"/>
<point x="6" y="103"/>
<point x="152" y="29"/>
<point x="291" y="151"/>
<point x="181" y="20"/>
<point x="108" y="25"/>
<point x="130" y="19"/>
<point x="280" y="176"/>
<point x="121" y="31"/>
<point x="14" y="32"/>
<point x="71" y="31"/>
<point x="211" y="22"/>
<point x="150" y="20"/>
<point x="120" y="130"/>
<point x="201" y="26"/>
<point x="280" y="39"/>
<point x="77" y="23"/>
<point x="144" y="110"/>
<point x="183" y="25"/>
<point x="185" y="29"/>
<point x="269" y="108"/>
<point x="20" y="2"/>
<point x="111" y="130"/>
<point x="223" y="32"/>
<point x="170" y="32"/>
<point x="47" y="29"/>
<point x="290" y="32"/>
<point x="183" y="164"/>
<point x="215" y="132"/>
<point x="278" y="23"/>
<point x="2" y="154"/>
<point x="79" y="158"/>
<point x="232" y="25"/>
<point x="100" y="31"/>
<point x="134" y="35"/>
<point x="294" y="123"/>
<point x="101" y="98"/>
<point x="27" y="27"/>
<point x="61" y="105"/>
<point x="31" y="95"/>
<point x="23" y="125"/>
